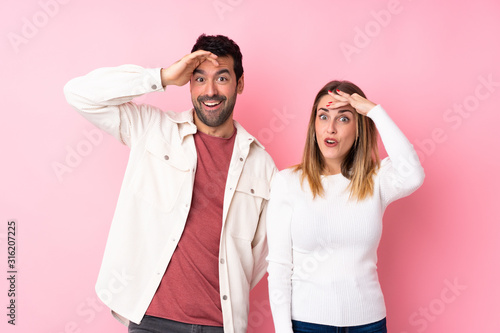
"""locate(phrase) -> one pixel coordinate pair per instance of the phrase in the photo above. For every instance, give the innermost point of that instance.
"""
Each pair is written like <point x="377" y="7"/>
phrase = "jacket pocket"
<point x="162" y="174"/>
<point x="248" y="200"/>
<point x="166" y="154"/>
<point x="253" y="186"/>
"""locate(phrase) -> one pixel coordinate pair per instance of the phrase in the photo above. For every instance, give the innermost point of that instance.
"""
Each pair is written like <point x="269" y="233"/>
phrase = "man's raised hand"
<point x="179" y="73"/>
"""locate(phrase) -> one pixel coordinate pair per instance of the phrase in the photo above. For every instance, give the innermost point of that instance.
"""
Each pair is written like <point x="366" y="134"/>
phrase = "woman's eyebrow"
<point x="340" y="111"/>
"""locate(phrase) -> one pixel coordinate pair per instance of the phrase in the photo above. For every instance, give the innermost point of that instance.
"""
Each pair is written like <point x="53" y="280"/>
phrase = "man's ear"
<point x="241" y="84"/>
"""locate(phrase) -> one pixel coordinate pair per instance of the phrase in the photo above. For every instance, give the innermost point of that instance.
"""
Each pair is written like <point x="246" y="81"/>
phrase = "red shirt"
<point x="189" y="290"/>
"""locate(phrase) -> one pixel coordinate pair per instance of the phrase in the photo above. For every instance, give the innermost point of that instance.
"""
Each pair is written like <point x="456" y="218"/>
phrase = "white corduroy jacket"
<point x="155" y="196"/>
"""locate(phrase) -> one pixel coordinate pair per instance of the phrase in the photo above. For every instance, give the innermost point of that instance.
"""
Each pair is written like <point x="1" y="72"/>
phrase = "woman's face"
<point x="335" y="133"/>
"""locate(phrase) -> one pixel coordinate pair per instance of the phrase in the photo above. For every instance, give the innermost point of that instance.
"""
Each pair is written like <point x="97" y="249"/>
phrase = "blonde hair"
<point x="360" y="164"/>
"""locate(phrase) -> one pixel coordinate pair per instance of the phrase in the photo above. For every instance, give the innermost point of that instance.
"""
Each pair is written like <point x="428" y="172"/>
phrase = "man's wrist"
<point x="164" y="81"/>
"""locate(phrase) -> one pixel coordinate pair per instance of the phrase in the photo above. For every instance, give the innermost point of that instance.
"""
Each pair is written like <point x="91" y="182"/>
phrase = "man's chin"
<point x="212" y="111"/>
<point x="209" y="118"/>
<point x="210" y="114"/>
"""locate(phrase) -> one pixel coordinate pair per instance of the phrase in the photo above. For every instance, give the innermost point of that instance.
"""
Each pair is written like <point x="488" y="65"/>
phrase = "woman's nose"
<point x="331" y="127"/>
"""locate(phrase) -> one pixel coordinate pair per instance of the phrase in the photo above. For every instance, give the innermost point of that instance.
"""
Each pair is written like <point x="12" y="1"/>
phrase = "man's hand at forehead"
<point x="179" y="73"/>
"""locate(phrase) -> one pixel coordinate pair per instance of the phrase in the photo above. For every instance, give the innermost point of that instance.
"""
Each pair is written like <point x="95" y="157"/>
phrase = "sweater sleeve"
<point x="279" y="216"/>
<point x="401" y="172"/>
<point x="104" y="97"/>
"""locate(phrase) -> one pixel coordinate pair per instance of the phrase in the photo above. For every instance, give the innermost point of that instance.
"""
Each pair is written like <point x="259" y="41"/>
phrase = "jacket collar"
<point x="243" y="136"/>
<point x="187" y="127"/>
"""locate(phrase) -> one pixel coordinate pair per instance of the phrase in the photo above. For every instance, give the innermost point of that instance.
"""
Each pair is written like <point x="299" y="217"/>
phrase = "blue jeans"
<point x="150" y="324"/>
<point x="302" y="327"/>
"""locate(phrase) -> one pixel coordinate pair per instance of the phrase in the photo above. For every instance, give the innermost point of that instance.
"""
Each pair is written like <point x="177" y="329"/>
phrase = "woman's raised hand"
<point x="359" y="103"/>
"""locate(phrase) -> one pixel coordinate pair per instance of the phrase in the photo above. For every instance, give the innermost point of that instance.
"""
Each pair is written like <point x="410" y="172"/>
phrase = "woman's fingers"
<point x="358" y="102"/>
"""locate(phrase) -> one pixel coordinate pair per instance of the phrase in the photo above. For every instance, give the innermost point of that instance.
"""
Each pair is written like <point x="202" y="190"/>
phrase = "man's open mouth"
<point x="211" y="104"/>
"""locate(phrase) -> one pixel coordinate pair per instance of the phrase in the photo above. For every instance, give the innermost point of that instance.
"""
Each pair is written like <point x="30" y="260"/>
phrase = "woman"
<point x="324" y="219"/>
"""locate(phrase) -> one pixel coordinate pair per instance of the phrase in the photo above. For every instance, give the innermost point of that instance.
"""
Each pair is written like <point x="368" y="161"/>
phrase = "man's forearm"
<point x="103" y="95"/>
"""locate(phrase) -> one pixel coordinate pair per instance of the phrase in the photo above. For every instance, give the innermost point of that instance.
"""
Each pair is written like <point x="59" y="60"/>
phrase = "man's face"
<point x="214" y="90"/>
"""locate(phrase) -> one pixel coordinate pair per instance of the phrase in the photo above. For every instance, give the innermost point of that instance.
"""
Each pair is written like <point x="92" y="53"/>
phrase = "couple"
<point x="189" y="228"/>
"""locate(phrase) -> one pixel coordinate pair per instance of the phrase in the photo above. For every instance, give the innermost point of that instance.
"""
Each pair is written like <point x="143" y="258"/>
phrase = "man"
<point x="187" y="242"/>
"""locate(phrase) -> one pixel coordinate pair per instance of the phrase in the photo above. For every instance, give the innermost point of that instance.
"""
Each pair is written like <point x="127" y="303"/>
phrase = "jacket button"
<point x="252" y="191"/>
<point x="153" y="87"/>
<point x="167" y="157"/>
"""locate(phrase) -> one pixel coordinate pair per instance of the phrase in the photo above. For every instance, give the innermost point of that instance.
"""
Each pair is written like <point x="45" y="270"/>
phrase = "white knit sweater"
<point x="323" y="251"/>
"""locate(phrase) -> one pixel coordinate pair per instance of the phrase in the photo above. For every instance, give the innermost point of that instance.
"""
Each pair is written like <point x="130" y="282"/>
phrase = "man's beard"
<point x="216" y="119"/>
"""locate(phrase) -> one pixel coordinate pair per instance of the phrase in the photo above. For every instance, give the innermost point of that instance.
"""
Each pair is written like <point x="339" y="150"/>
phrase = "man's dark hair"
<point x="221" y="46"/>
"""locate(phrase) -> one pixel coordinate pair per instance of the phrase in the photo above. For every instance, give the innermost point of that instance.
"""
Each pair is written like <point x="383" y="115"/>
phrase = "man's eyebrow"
<point x="219" y="72"/>
<point x="223" y="71"/>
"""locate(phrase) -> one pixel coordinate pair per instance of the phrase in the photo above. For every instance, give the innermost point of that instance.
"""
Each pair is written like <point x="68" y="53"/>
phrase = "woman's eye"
<point x="322" y="117"/>
<point x="344" y="119"/>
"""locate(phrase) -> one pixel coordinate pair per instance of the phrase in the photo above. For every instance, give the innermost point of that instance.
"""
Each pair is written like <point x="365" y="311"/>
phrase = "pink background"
<point x="422" y="60"/>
